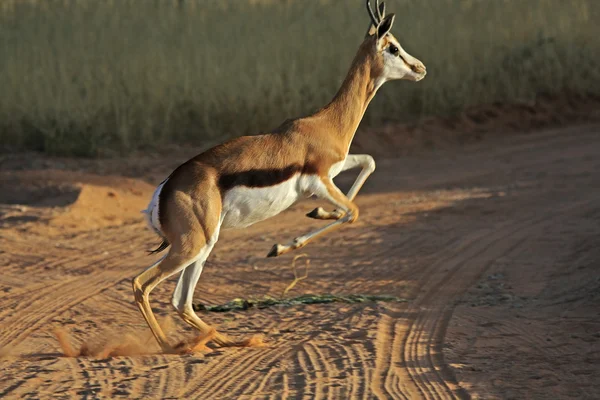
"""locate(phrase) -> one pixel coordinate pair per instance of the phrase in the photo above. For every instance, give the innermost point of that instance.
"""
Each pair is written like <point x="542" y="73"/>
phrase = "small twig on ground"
<point x="296" y="277"/>
<point x="240" y="304"/>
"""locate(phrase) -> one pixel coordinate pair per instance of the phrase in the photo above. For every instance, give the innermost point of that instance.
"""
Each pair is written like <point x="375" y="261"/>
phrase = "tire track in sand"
<point x="35" y="311"/>
<point x="422" y="354"/>
<point x="406" y="339"/>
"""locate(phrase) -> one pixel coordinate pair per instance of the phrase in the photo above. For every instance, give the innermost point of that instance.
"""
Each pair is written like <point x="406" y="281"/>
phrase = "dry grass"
<point x="89" y="77"/>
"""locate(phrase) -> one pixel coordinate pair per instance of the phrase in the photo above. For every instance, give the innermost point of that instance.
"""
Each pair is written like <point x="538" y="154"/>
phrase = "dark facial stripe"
<point x="258" y="178"/>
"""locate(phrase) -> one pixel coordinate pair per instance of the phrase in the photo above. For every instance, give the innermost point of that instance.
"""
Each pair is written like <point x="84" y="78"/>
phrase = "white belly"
<point x="244" y="206"/>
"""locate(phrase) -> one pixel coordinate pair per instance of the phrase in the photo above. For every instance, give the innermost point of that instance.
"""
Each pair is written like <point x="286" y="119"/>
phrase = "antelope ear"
<point x="385" y="26"/>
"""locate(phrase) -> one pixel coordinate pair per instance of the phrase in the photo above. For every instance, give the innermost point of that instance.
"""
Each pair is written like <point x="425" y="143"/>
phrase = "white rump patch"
<point x="151" y="212"/>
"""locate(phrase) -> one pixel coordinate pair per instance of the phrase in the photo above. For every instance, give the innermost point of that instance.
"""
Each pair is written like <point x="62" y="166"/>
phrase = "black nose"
<point x="418" y="68"/>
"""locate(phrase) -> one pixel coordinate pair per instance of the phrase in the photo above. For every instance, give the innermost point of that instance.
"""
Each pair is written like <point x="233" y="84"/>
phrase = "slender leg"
<point x="141" y="297"/>
<point x="184" y="291"/>
<point x="182" y="296"/>
<point x="182" y="301"/>
<point x="145" y="282"/>
<point x="333" y="194"/>
<point x="191" y="224"/>
<point x="352" y="161"/>
<point x="303" y="240"/>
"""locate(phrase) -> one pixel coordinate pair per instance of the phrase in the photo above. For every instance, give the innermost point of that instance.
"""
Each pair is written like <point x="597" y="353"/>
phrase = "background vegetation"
<point x="82" y="77"/>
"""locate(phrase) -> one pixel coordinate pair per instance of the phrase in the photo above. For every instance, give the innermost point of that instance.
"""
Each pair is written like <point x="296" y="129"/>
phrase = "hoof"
<point x="320" y="213"/>
<point x="316" y="213"/>
<point x="275" y="251"/>
<point x="196" y="345"/>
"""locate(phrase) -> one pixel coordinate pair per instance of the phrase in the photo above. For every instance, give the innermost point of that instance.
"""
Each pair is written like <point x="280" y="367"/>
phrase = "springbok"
<point x="252" y="178"/>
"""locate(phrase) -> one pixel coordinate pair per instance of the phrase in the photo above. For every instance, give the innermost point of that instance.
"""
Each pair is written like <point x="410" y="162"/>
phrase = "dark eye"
<point x="394" y="50"/>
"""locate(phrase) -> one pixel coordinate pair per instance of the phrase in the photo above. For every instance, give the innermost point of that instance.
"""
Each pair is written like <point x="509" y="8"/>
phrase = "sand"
<point x="495" y="244"/>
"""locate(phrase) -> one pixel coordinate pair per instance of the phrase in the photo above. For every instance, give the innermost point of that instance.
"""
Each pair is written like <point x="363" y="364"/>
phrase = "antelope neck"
<point x="347" y="108"/>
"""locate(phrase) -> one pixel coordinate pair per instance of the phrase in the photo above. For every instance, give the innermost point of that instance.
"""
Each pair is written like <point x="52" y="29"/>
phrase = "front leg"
<point x="320" y="213"/>
<point x="327" y="190"/>
<point x="352" y="161"/>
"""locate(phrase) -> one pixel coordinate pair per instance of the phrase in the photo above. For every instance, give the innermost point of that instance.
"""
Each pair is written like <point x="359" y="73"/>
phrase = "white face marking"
<point x="244" y="206"/>
<point x="398" y="66"/>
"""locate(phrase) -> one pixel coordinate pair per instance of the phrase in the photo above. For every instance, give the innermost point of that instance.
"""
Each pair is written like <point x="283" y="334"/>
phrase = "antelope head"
<point x="389" y="59"/>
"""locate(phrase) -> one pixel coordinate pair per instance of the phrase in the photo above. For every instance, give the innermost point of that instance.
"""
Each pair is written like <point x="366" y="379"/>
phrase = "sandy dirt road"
<point x="495" y="245"/>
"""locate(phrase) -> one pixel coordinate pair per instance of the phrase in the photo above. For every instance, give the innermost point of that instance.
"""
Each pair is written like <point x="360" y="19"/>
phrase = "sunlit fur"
<point x="252" y="178"/>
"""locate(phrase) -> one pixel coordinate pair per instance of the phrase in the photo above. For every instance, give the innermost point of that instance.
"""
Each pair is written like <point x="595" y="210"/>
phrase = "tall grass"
<point x="79" y="77"/>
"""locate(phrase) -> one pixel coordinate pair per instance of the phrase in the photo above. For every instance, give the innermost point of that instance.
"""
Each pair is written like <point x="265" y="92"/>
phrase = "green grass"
<point x="267" y="301"/>
<point x="89" y="77"/>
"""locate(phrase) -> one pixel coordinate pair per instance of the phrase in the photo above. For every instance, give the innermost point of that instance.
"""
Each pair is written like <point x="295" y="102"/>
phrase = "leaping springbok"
<point x="252" y="178"/>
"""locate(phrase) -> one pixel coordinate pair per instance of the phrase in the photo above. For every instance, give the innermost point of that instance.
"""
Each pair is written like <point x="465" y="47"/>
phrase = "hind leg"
<point x="187" y="228"/>
<point x="144" y="283"/>
<point x="184" y="291"/>
<point x="183" y="297"/>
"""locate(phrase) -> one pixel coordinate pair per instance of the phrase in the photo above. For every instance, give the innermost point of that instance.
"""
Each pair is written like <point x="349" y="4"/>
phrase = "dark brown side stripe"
<point x="258" y="178"/>
<point x="252" y="178"/>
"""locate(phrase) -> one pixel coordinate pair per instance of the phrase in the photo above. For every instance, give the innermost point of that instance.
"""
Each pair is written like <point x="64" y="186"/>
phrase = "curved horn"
<point x="371" y="13"/>
<point x="380" y="10"/>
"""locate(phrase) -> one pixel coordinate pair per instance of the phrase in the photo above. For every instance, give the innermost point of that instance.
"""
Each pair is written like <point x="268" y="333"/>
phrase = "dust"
<point x="198" y="344"/>
<point x="112" y="343"/>
<point x="255" y="341"/>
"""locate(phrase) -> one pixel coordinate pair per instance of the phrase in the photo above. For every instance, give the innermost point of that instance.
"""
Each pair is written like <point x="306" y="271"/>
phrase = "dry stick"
<point x="296" y="278"/>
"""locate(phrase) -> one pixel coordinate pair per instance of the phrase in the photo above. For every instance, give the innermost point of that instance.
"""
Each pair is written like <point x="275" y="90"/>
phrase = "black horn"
<point x="380" y="10"/>
<point x="372" y="14"/>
